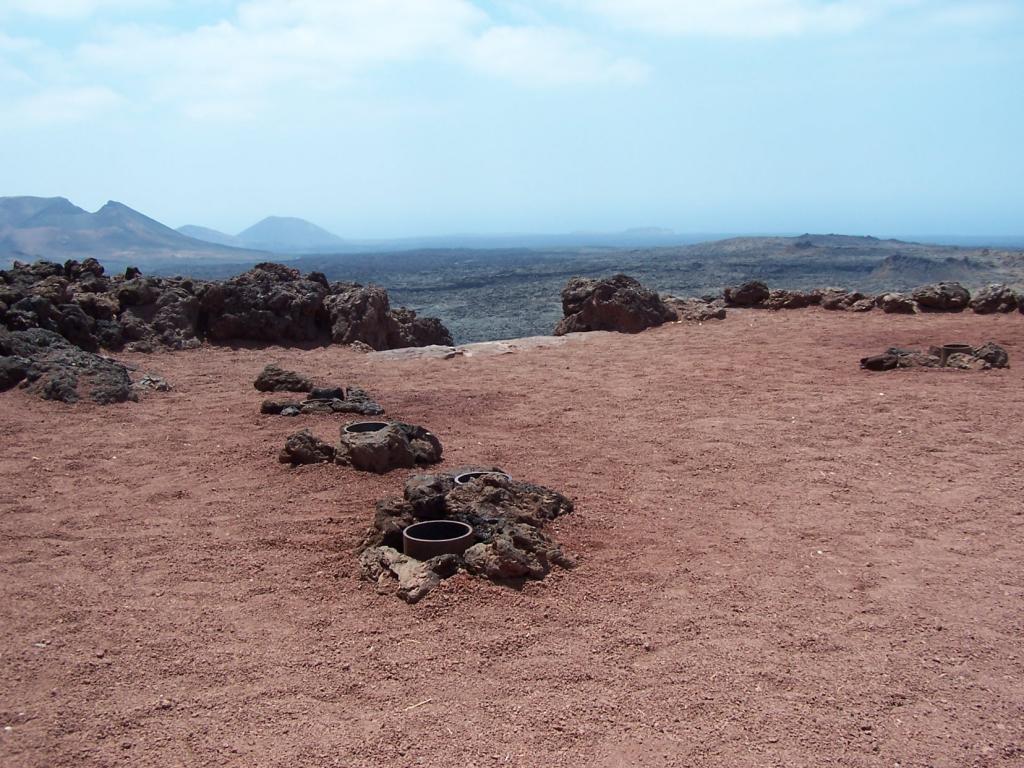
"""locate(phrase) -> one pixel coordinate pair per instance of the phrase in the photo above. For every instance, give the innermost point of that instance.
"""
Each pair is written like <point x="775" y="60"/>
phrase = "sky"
<point x="394" y="118"/>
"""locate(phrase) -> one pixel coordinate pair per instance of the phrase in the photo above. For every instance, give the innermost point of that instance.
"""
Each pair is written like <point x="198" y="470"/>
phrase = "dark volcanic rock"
<point x="270" y="303"/>
<point x="13" y="370"/>
<point x="896" y="303"/>
<point x="507" y="517"/>
<point x="837" y="299"/>
<point x="884" y="362"/>
<point x="618" y="303"/>
<point x="695" y="310"/>
<point x="750" y="294"/>
<point x="394" y="446"/>
<point x="993" y="355"/>
<point x="305" y="448"/>
<point x="273" y="378"/>
<point x="275" y="407"/>
<point x="995" y="298"/>
<point x="781" y="299"/>
<point x="942" y="297"/>
<point x="58" y="370"/>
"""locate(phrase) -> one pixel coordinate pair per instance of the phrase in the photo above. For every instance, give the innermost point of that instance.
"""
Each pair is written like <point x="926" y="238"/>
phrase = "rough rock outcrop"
<point x="993" y="355"/>
<point x="942" y="297"/>
<point x="837" y="299"/>
<point x="305" y="448"/>
<point x="695" y="310"/>
<point x="896" y="304"/>
<point x="270" y="303"/>
<point x="273" y="378"/>
<point x="393" y="446"/>
<point x="995" y="298"/>
<point x="750" y="294"/>
<point x="985" y="357"/>
<point x="55" y="369"/>
<point x="507" y="517"/>
<point x="782" y="299"/>
<point x="617" y="303"/>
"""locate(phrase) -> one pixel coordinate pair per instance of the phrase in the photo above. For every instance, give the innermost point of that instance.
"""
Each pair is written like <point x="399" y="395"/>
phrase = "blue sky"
<point x="386" y="118"/>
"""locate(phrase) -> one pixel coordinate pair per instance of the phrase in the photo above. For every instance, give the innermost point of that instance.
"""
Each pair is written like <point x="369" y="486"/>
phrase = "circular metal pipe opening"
<point x="467" y="477"/>
<point x="366" y="426"/>
<point x="955" y="349"/>
<point x="423" y="541"/>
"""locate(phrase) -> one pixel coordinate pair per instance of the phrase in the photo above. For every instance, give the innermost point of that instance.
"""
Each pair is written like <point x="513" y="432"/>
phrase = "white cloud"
<point x="229" y="68"/>
<point x="547" y="56"/>
<point x="743" y="18"/>
<point x="73" y="9"/>
<point x="64" y="105"/>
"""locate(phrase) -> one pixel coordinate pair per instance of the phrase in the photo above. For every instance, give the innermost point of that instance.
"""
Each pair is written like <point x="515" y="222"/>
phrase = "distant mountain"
<point x="55" y="229"/>
<point x="288" y="235"/>
<point x="210" y="235"/>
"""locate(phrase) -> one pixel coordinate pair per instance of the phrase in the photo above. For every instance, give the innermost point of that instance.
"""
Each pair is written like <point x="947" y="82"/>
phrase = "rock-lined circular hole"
<point x="467" y="477"/>
<point x="363" y="427"/>
<point x="955" y="349"/>
<point x="423" y="541"/>
<point x="958" y="349"/>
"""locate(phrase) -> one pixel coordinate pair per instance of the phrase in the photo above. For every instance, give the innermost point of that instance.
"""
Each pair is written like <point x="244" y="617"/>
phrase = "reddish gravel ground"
<point x="784" y="561"/>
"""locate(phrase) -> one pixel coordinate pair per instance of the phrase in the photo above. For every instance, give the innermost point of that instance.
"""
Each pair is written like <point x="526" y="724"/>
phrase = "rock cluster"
<point x="49" y="365"/>
<point x="988" y="356"/>
<point x="938" y="297"/>
<point x="507" y="517"/>
<point x="385" y="446"/>
<point x="696" y="310"/>
<point x="617" y="303"/>
<point x="270" y="303"/>
<point x="337" y="400"/>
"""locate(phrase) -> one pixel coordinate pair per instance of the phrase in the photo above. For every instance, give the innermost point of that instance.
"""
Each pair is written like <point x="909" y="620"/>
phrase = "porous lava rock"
<point x="270" y="303"/>
<point x="994" y="299"/>
<point x="363" y="315"/>
<point x="993" y="355"/>
<point x="750" y="294"/>
<point x="617" y="303"/>
<point x="838" y="299"/>
<point x="942" y="297"/>
<point x="273" y="378"/>
<point x="896" y="304"/>
<point x="782" y="299"/>
<point x="306" y="448"/>
<point x="695" y="310"/>
<point x="55" y="369"/>
<point x="987" y="356"/>
<point x="395" y="445"/>
<point x="507" y="517"/>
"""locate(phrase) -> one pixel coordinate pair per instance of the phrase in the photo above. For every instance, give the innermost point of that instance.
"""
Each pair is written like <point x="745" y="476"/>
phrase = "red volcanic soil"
<point x="784" y="561"/>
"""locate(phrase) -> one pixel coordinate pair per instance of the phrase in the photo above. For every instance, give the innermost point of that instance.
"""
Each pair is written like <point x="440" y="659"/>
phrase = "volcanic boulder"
<point x="305" y="448"/>
<point x="392" y="446"/>
<point x="896" y="303"/>
<point x="781" y="299"/>
<point x="695" y="310"/>
<point x="617" y="303"/>
<point x="273" y="378"/>
<point x="749" y="294"/>
<point x="995" y="298"/>
<point x="55" y="369"/>
<point x="362" y="314"/>
<point x="942" y="297"/>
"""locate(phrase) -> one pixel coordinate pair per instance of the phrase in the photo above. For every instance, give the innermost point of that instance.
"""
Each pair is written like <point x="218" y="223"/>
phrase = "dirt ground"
<point x="784" y="561"/>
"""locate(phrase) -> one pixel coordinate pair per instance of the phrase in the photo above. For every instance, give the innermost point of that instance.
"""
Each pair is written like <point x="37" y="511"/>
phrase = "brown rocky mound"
<point x="270" y="303"/>
<point x="617" y="303"/>
<point x="506" y="517"/>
